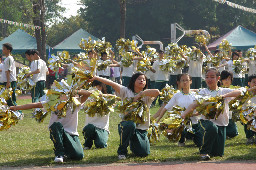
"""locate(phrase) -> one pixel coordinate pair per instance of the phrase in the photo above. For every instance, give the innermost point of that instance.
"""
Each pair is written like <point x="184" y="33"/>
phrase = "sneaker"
<point x="250" y="141"/>
<point x="86" y="148"/>
<point x="58" y="159"/>
<point x="205" y="157"/>
<point x="181" y="144"/>
<point x="121" y="157"/>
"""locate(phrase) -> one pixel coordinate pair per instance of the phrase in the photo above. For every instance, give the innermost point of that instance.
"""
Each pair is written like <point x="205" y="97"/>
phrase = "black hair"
<point x="216" y="51"/>
<point x="90" y="51"/>
<point x="28" y="52"/>
<point x="103" y="53"/>
<point x="98" y="83"/>
<point x="33" y="52"/>
<point x="134" y="78"/>
<point x="233" y="54"/>
<point x="214" y="70"/>
<point x="251" y="77"/>
<point x="180" y="75"/>
<point x="225" y="74"/>
<point x="239" y="51"/>
<point x="8" y="46"/>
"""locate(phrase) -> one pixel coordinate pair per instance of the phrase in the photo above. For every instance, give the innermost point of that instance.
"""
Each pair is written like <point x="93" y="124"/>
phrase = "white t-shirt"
<point x="9" y="64"/>
<point x="223" y="67"/>
<point x="176" y="72"/>
<point x="159" y="74"/>
<point x="101" y="122"/>
<point x="182" y="100"/>
<point x="252" y="68"/>
<point x="231" y="69"/>
<point x="125" y="92"/>
<point x="129" y="71"/>
<point x="1" y="68"/>
<point x="41" y="65"/>
<point x="105" y="72"/>
<point x="69" y="122"/>
<point x="117" y="72"/>
<point x="195" y="68"/>
<point x="223" y="119"/>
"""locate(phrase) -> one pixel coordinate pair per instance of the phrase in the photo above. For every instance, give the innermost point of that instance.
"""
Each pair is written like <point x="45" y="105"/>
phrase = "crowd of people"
<point x="126" y="82"/>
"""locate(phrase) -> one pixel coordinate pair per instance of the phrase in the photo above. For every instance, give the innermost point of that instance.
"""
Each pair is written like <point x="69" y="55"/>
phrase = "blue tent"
<point x="21" y="41"/>
<point x="239" y="37"/>
<point x="71" y="43"/>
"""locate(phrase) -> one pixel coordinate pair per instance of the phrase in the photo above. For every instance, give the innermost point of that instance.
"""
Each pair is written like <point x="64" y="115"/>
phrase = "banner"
<point x="233" y="5"/>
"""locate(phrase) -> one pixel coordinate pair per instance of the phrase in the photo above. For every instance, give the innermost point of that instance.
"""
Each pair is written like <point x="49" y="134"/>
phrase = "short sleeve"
<point x="123" y="92"/>
<point x="171" y="103"/>
<point x="7" y="64"/>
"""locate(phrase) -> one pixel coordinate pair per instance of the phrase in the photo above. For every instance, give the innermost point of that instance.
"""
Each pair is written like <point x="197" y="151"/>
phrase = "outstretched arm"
<point x="115" y="85"/>
<point x="190" y="109"/>
<point x="234" y="93"/>
<point x="27" y="106"/>
<point x="149" y="92"/>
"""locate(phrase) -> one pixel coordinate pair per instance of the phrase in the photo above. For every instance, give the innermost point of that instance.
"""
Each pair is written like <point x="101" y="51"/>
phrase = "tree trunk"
<point x="123" y="17"/>
<point x="43" y="31"/>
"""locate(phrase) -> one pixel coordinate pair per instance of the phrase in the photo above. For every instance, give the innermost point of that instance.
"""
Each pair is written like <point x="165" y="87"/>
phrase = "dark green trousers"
<point x="237" y="82"/>
<point x="231" y="129"/>
<point x="246" y="80"/>
<point x="138" y="139"/>
<point x="12" y="100"/>
<point x="160" y="86"/>
<point x="126" y="81"/>
<point x="64" y="143"/>
<point x="196" y="136"/>
<point x="196" y="83"/>
<point x="248" y="133"/>
<point x="38" y="91"/>
<point x="173" y="81"/>
<point x="214" y="138"/>
<point x="92" y="133"/>
<point x="109" y="88"/>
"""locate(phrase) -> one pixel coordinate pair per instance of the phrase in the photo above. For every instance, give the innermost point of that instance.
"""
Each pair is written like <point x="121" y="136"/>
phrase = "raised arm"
<point x="115" y="85"/>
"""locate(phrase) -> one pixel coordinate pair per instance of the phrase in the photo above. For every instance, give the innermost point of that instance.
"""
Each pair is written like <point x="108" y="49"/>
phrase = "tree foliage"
<point x="151" y="19"/>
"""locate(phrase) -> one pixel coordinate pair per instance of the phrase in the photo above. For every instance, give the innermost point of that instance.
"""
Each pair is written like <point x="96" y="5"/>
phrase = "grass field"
<point x="28" y="144"/>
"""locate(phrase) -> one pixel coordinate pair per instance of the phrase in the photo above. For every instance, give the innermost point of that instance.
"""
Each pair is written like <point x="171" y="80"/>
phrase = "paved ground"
<point x="249" y="165"/>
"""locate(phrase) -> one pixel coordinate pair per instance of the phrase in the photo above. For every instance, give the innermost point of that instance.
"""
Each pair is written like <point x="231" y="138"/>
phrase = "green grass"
<point x="28" y="144"/>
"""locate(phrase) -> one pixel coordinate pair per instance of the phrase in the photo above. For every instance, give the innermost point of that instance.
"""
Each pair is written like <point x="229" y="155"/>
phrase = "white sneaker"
<point x="58" y="159"/>
<point x="86" y="148"/>
<point x="121" y="157"/>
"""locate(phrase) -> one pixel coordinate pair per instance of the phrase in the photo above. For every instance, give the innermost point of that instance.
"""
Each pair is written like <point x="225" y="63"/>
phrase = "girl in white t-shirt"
<point x="63" y="131"/>
<point x="96" y="127"/>
<point x="183" y="99"/>
<point x="130" y="133"/>
<point x="214" y="130"/>
<point x="237" y="81"/>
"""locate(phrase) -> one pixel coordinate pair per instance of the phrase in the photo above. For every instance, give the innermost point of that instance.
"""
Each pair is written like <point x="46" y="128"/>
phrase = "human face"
<point x="235" y="57"/>
<point x="161" y="56"/>
<point x="185" y="82"/>
<point x="104" y="57"/>
<point x="227" y="82"/>
<point x="252" y="83"/>
<point x="28" y="57"/>
<point x="90" y="55"/>
<point x="6" y="52"/>
<point x="140" y="82"/>
<point x="211" y="80"/>
<point x="99" y="87"/>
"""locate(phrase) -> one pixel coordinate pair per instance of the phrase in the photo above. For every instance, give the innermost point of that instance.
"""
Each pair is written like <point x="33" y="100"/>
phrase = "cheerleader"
<point x="183" y="99"/>
<point x="130" y="133"/>
<point x="96" y="127"/>
<point x="213" y="130"/>
<point x="237" y="81"/>
<point x="63" y="131"/>
<point x="226" y="79"/>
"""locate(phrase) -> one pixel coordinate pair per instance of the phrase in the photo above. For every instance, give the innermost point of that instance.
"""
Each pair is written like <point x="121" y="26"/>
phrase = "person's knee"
<point x="88" y="127"/>
<point x="100" y="144"/>
<point x="79" y="156"/>
<point x="55" y="126"/>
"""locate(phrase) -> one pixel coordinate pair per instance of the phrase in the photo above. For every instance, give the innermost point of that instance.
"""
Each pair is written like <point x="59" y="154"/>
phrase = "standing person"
<point x="214" y="130"/>
<point x="195" y="68"/>
<point x="226" y="79"/>
<point x="183" y="98"/>
<point x="161" y="77"/>
<point x="96" y="128"/>
<point x="131" y="133"/>
<point x="250" y="135"/>
<point x="251" y="64"/>
<point x="63" y="131"/>
<point x="51" y="78"/>
<point x="237" y="81"/>
<point x="1" y="69"/>
<point x="39" y="71"/>
<point x="9" y="72"/>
